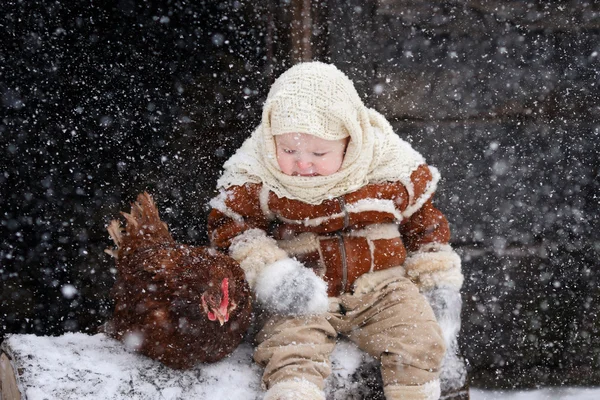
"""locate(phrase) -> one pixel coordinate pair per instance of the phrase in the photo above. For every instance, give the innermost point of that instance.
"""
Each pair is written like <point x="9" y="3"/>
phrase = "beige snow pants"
<point x="393" y="322"/>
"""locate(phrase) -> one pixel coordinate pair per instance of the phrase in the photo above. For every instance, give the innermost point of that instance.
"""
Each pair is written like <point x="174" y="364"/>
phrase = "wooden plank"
<point x="516" y="74"/>
<point x="512" y="182"/>
<point x="474" y="16"/>
<point x="9" y="390"/>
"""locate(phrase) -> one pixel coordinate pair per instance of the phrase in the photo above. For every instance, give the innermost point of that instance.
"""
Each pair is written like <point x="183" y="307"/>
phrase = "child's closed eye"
<point x="319" y="154"/>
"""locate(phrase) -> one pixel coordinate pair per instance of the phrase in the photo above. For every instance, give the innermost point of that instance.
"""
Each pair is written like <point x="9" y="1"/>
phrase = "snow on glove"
<point x="289" y="288"/>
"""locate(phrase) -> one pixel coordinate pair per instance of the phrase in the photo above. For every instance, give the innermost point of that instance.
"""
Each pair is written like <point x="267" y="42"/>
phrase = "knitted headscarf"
<point x="318" y="99"/>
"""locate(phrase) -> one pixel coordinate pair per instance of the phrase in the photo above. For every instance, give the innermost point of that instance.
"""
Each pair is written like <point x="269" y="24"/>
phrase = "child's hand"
<point x="289" y="288"/>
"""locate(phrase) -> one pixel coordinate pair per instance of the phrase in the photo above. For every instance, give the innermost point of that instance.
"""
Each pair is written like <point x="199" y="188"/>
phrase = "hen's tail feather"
<point x="132" y="221"/>
<point x="144" y="222"/>
<point x="116" y="234"/>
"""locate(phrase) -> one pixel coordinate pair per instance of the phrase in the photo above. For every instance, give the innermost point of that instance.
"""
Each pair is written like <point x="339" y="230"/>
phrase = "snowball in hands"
<point x="287" y="287"/>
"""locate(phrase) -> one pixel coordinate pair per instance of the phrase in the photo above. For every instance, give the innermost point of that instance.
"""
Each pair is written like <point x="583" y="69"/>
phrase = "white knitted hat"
<point x="312" y="98"/>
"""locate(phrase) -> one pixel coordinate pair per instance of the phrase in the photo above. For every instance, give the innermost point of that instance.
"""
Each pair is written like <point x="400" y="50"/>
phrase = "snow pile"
<point x="82" y="367"/>
<point x="78" y="366"/>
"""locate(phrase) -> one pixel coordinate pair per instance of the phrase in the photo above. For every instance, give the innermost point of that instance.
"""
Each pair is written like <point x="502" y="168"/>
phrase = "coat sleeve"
<point x="237" y="225"/>
<point x="234" y="211"/>
<point x="431" y="261"/>
<point x="426" y="226"/>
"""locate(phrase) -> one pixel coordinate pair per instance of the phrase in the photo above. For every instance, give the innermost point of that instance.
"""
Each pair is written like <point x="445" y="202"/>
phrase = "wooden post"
<point x="301" y="31"/>
<point x="9" y="389"/>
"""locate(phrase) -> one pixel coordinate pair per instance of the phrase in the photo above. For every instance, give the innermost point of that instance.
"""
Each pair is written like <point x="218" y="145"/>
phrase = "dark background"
<point x="100" y="100"/>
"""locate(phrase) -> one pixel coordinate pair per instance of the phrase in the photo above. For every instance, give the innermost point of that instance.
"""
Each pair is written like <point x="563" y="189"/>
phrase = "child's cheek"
<point x="284" y="164"/>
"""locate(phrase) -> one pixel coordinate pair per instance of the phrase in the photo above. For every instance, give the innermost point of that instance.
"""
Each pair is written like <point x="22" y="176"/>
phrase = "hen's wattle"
<point x="176" y="303"/>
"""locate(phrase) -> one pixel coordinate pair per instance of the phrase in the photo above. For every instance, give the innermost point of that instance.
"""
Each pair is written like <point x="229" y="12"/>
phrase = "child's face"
<point x="299" y="154"/>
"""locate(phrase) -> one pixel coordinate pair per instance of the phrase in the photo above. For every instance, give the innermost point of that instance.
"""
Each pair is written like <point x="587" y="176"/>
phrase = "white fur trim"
<point x="371" y="253"/>
<point x="264" y="202"/>
<point x="451" y="278"/>
<point x="427" y="391"/>
<point x="370" y="204"/>
<point x="254" y="250"/>
<point x="311" y="221"/>
<point x="437" y="265"/>
<point x="431" y="261"/>
<point x="377" y="231"/>
<point x="363" y="205"/>
<point x="298" y="389"/>
<point x="435" y="246"/>
<point x="415" y="204"/>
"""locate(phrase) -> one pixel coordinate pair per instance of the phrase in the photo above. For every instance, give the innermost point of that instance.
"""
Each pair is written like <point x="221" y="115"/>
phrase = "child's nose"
<point x="303" y="164"/>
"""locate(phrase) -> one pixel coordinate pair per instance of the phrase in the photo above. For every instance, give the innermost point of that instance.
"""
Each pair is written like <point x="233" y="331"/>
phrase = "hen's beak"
<point x="222" y="313"/>
<point x="219" y="314"/>
<point x="222" y="318"/>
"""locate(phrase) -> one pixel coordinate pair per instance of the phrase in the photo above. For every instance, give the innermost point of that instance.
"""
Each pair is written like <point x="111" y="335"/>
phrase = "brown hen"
<point x="175" y="303"/>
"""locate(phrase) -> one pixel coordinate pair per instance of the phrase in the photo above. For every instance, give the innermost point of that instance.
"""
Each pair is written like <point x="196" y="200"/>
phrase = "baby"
<point x="329" y="213"/>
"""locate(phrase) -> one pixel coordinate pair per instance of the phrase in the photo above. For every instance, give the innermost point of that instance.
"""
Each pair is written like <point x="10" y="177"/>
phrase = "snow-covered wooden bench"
<point x="95" y="367"/>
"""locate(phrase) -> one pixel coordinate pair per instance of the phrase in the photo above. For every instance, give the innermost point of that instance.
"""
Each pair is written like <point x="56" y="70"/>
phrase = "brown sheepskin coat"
<point x="342" y="238"/>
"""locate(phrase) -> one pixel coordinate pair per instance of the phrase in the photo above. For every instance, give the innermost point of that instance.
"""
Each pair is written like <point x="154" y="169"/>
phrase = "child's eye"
<point x="319" y="154"/>
<point x="288" y="151"/>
